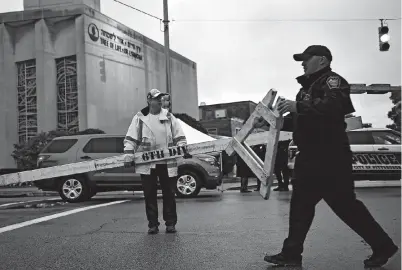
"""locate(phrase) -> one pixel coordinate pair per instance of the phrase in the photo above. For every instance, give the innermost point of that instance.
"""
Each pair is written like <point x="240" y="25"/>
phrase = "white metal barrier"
<point x="239" y="144"/>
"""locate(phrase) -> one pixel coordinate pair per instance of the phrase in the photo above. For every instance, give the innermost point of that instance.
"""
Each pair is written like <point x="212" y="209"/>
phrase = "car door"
<point x="97" y="148"/>
<point x="387" y="146"/>
<point x="361" y="144"/>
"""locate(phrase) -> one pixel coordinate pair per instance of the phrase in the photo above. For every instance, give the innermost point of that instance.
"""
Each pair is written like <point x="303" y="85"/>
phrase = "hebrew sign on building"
<point x="111" y="41"/>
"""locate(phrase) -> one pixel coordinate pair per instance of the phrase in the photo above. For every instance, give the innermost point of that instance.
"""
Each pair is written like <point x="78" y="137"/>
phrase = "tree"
<point x="395" y="113"/>
<point x="26" y="154"/>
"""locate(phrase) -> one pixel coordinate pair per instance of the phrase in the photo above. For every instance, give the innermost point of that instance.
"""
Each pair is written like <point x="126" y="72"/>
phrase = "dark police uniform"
<point x="281" y="169"/>
<point x="323" y="166"/>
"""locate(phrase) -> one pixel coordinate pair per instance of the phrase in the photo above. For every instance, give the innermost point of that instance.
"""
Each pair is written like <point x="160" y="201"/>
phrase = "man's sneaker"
<point x="378" y="259"/>
<point x="171" y="229"/>
<point x="153" y="230"/>
<point x="283" y="260"/>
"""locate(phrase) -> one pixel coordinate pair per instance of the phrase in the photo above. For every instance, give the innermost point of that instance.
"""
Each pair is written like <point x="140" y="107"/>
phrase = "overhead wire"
<point x="257" y="20"/>
<point x="279" y="20"/>
<point x="139" y="10"/>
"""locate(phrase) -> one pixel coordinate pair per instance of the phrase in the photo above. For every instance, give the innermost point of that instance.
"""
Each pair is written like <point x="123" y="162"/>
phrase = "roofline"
<point x="81" y="9"/>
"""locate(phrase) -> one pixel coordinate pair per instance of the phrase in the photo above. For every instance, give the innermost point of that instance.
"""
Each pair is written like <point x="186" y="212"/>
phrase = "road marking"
<point x="8" y="204"/>
<point x="46" y="218"/>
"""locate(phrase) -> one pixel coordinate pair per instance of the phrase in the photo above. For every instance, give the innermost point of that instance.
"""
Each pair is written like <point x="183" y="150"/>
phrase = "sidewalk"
<point x="234" y="184"/>
<point x="19" y="192"/>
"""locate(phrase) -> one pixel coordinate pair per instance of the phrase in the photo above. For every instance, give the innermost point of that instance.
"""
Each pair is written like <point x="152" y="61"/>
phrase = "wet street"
<point x="215" y="231"/>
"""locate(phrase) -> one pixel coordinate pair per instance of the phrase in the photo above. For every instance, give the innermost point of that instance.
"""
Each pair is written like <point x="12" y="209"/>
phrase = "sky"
<point x="244" y="48"/>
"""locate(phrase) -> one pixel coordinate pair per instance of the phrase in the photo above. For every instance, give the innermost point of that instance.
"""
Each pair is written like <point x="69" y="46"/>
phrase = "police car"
<point x="376" y="154"/>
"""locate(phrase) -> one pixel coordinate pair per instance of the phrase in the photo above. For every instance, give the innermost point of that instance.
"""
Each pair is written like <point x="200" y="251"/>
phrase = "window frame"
<point x="384" y="132"/>
<point x="223" y="110"/>
<point x="364" y="133"/>
<point x="45" y="150"/>
<point x="209" y="131"/>
<point x="91" y="151"/>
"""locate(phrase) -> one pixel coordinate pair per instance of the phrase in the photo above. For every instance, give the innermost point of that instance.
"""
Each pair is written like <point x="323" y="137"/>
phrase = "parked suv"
<point x="376" y="154"/>
<point x="200" y="171"/>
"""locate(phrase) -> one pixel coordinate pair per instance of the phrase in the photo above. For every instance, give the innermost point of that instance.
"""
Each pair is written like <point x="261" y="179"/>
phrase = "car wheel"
<point x="188" y="184"/>
<point x="74" y="189"/>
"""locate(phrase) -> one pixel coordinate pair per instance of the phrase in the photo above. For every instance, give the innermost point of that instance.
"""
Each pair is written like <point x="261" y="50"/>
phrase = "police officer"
<point x="324" y="164"/>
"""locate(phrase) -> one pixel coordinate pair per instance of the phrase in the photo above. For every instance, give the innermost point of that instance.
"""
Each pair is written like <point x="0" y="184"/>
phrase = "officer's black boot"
<point x="380" y="257"/>
<point x="283" y="259"/>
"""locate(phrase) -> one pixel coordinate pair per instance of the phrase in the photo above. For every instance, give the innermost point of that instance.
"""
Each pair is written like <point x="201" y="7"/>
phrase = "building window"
<point x="67" y="94"/>
<point x="209" y="115"/>
<point x="27" y="100"/>
<point x="213" y="131"/>
<point x="220" y="113"/>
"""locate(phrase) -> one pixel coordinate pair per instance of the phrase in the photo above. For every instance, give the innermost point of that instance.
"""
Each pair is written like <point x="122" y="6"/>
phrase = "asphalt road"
<point x="228" y="231"/>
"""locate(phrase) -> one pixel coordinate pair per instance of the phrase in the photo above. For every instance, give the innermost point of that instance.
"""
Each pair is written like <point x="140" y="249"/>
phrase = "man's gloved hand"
<point x="129" y="161"/>
<point x="286" y="105"/>
<point x="187" y="156"/>
<point x="259" y="122"/>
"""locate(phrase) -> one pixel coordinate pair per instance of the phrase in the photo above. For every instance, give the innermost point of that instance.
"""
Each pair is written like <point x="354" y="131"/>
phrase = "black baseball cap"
<point x="313" y="50"/>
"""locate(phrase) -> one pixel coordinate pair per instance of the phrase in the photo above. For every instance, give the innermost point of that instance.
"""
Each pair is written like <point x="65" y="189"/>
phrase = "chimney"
<point x="39" y="4"/>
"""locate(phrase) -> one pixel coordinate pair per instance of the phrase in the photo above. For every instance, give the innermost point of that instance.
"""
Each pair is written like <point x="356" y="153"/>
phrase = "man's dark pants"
<point x="282" y="173"/>
<point x="328" y="177"/>
<point x="149" y="185"/>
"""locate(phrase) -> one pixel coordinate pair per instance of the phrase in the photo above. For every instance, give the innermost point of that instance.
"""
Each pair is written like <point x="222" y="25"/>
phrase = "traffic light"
<point x="102" y="70"/>
<point x="383" y="37"/>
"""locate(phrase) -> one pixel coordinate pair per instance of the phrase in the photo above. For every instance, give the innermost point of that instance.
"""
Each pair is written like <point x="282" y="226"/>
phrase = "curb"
<point x="361" y="185"/>
<point x="358" y="185"/>
<point x="29" y="194"/>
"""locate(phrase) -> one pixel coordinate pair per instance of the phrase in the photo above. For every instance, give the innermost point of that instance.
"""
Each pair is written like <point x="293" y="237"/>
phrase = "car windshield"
<point x="386" y="137"/>
<point x="59" y="146"/>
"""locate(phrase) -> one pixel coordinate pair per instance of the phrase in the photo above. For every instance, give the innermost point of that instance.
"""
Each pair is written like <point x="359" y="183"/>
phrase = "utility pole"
<point x="167" y="50"/>
<point x="167" y="47"/>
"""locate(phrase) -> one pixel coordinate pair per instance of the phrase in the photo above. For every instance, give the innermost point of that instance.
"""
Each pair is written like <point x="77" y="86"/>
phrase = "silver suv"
<point x="200" y="171"/>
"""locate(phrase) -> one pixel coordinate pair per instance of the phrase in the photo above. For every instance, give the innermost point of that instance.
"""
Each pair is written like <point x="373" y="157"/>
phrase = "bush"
<point x="26" y="154"/>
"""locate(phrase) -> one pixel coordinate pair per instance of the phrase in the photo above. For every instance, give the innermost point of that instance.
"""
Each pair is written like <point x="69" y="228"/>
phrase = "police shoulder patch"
<point x="333" y="82"/>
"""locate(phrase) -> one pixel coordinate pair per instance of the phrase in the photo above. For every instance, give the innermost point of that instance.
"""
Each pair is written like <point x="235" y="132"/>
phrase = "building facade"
<point x="225" y="119"/>
<point x="64" y="65"/>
